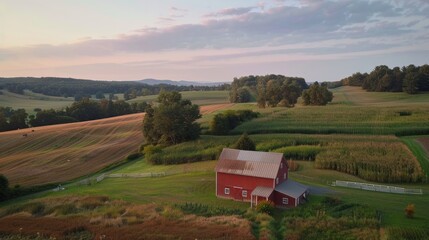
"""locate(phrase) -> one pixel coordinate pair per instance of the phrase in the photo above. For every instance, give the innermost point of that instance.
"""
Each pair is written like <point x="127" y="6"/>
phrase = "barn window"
<point x="281" y="165"/>
<point x="284" y="175"/>
<point x="285" y="201"/>
<point x="277" y="180"/>
<point x="244" y="193"/>
<point x="226" y="191"/>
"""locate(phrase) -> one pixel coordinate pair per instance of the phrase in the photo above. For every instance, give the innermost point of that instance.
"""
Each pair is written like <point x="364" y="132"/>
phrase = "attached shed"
<point x="254" y="176"/>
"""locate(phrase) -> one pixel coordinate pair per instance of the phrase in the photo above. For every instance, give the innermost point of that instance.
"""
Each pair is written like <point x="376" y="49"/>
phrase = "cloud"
<point x="230" y="12"/>
<point x="352" y="25"/>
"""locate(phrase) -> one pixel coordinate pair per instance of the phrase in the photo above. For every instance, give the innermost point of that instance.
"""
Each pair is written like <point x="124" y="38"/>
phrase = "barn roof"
<point x="249" y="163"/>
<point x="262" y="191"/>
<point x="291" y="188"/>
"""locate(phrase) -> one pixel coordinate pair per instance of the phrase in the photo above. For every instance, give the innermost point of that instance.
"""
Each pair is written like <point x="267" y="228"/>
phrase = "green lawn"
<point x="418" y="151"/>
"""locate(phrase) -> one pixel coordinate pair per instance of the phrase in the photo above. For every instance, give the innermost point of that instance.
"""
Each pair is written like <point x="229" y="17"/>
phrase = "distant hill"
<point x="152" y="81"/>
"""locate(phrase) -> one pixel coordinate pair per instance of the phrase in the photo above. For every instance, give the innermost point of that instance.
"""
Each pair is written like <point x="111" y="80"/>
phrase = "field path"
<point x="63" y="152"/>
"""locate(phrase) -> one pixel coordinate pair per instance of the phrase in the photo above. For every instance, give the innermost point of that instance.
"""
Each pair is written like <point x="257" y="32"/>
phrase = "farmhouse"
<point x="253" y="176"/>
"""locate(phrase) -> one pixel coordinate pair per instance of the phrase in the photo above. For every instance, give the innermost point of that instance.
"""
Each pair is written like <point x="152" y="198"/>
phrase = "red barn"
<point x="253" y="176"/>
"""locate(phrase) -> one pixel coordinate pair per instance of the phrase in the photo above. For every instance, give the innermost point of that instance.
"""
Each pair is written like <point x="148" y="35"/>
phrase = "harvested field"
<point x="59" y="153"/>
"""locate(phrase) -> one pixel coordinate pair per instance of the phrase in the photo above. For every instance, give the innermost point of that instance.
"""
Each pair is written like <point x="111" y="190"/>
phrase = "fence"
<point x="93" y="180"/>
<point x="136" y="175"/>
<point x="377" y="188"/>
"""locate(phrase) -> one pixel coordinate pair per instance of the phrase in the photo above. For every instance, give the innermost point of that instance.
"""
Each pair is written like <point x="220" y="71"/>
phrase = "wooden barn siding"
<point x="282" y="171"/>
<point x="245" y="182"/>
<point x="278" y="200"/>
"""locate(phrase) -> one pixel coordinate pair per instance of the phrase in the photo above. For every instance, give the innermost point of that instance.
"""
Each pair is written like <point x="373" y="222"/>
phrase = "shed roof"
<point x="249" y="163"/>
<point x="291" y="188"/>
<point x="262" y="191"/>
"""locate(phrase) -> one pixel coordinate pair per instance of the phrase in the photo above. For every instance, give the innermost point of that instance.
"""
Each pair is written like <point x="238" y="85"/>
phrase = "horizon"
<point x="321" y="40"/>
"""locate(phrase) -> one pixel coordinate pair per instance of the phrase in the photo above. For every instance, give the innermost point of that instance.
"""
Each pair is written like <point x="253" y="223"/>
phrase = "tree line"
<point x="410" y="79"/>
<point x="269" y="90"/>
<point x="70" y="87"/>
<point x="82" y="110"/>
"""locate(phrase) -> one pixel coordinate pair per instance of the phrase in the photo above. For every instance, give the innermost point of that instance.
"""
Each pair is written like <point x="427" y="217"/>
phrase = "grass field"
<point x="197" y="97"/>
<point x="29" y="101"/>
<point x="353" y="111"/>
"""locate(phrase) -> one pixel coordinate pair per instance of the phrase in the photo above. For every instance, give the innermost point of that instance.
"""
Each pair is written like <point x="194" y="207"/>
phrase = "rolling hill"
<point x="59" y="153"/>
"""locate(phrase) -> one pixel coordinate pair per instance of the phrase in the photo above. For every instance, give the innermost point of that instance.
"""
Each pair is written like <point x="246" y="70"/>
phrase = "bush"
<point x="244" y="143"/>
<point x="206" y="211"/>
<point x="133" y="156"/>
<point x="66" y="209"/>
<point x="224" y="122"/>
<point x="265" y="207"/>
<point x="150" y="150"/>
<point x="409" y="210"/>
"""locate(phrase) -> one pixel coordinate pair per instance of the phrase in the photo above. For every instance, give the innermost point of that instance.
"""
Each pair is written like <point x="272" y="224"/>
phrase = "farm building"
<point x="253" y="176"/>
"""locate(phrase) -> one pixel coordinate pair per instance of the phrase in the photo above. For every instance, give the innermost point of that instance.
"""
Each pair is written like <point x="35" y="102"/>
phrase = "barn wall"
<point x="238" y="183"/>
<point x="282" y="171"/>
<point x="278" y="200"/>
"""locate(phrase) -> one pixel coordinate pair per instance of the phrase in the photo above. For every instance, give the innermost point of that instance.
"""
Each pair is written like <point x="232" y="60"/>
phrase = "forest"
<point x="410" y="79"/>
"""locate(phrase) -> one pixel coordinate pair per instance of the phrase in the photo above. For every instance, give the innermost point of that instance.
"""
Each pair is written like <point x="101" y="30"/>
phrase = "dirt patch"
<point x="215" y="107"/>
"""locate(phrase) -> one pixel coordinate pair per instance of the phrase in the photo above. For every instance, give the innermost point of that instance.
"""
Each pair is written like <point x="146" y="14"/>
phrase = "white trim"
<point x="237" y="187"/>
<point x="216" y="185"/>
<point x="285" y="202"/>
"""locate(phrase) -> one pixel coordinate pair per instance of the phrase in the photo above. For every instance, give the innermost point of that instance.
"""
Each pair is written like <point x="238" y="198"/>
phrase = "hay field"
<point x="29" y="101"/>
<point x="64" y="152"/>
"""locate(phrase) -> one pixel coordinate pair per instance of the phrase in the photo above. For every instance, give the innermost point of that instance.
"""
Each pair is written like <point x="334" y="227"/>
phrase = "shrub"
<point x="244" y="143"/>
<point x="409" y="210"/>
<point x="293" y="166"/>
<point x="66" y="209"/>
<point x="35" y="208"/>
<point x="224" y="122"/>
<point x="133" y="156"/>
<point x="265" y="207"/>
<point x="149" y="150"/>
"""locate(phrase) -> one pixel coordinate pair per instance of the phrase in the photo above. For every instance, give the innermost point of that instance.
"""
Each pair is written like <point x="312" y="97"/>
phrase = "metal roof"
<point x="262" y="191"/>
<point x="249" y="163"/>
<point x="291" y="188"/>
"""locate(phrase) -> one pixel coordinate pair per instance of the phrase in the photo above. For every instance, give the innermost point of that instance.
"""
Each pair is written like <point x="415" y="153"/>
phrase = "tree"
<point x="4" y="188"/>
<point x="261" y="98"/>
<point x="409" y="210"/>
<point x="85" y="110"/>
<point x="172" y="121"/>
<point x="18" y="119"/>
<point x="245" y="143"/>
<point x="317" y="95"/>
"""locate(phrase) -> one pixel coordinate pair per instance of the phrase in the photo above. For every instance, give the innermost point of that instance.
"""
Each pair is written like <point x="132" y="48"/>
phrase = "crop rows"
<point x="379" y="162"/>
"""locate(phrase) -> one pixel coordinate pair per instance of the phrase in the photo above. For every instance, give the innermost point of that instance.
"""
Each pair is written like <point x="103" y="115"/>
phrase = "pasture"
<point x="30" y="100"/>
<point x="353" y="111"/>
<point x="197" y="97"/>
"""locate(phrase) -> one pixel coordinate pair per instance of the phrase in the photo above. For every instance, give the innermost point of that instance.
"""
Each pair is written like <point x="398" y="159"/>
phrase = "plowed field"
<point x="63" y="152"/>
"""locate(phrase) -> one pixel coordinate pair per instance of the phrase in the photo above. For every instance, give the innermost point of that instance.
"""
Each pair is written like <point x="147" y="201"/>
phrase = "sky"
<point x="209" y="41"/>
